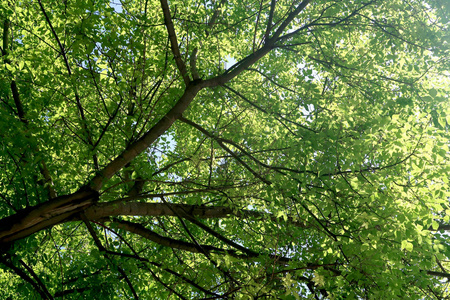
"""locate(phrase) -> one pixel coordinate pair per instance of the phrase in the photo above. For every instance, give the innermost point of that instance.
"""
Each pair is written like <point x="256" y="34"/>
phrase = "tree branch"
<point x="5" y="38"/>
<point x="249" y="60"/>
<point x="14" y="89"/>
<point x="239" y="67"/>
<point x="38" y="280"/>
<point x="288" y="20"/>
<point x="270" y="19"/>
<point x="186" y="246"/>
<point x="105" y="253"/>
<point x="120" y="208"/>
<point x="439" y="274"/>
<point x="173" y="42"/>
<point x="33" y="219"/>
<point x="164" y="241"/>
<point x="219" y="141"/>
<point x="215" y="15"/>
<point x="77" y="96"/>
<point x="193" y="64"/>
<point x="148" y="138"/>
<point x="221" y="237"/>
<point x="136" y="256"/>
<point x="267" y="112"/>
<point x="44" y="293"/>
<point x="170" y="271"/>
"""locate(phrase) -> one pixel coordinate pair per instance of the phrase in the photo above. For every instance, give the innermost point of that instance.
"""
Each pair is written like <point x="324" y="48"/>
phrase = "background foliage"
<point x="224" y="149"/>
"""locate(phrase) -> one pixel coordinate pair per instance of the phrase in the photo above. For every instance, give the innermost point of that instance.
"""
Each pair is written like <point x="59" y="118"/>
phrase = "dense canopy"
<point x="260" y="149"/>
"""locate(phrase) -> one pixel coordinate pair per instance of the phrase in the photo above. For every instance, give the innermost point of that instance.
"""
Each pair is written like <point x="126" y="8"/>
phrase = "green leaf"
<point x="435" y="225"/>
<point x="433" y="93"/>
<point x="407" y="246"/>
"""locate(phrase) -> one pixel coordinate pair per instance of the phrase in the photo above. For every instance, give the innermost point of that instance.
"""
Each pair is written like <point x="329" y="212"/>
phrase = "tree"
<point x="218" y="149"/>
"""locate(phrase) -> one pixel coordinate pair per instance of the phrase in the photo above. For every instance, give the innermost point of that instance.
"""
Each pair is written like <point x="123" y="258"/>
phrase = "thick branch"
<point x="269" y="21"/>
<point x="6" y="24"/>
<point x="35" y="218"/>
<point x="121" y="208"/>
<point x="439" y="274"/>
<point x="148" y="138"/>
<point x="240" y="66"/>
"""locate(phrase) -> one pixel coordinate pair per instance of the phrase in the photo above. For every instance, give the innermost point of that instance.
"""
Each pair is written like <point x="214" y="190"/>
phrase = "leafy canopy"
<point x="218" y="149"/>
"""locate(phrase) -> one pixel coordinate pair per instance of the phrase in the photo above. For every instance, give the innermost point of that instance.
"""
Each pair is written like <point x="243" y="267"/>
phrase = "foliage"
<point x="224" y="149"/>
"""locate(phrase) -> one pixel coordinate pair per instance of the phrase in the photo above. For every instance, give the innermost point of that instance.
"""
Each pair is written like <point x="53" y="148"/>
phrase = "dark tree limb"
<point x="173" y="42"/>
<point x="148" y="138"/>
<point x="164" y="241"/>
<point x="33" y="219"/>
<point x="221" y="237"/>
<point x="270" y="19"/>
<point x="288" y="20"/>
<point x="439" y="274"/>
<point x="37" y="279"/>
<point x="187" y="246"/>
<point x="37" y="287"/>
<point x="100" y="211"/>
<point x="92" y="232"/>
